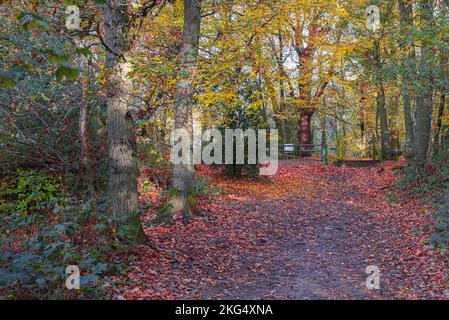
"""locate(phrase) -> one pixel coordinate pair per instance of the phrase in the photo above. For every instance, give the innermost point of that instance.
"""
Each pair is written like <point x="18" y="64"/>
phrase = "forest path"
<point x="319" y="244"/>
<point x="308" y="233"/>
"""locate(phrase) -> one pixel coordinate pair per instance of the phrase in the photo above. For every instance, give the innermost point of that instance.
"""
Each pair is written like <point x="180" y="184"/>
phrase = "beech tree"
<point x="123" y="171"/>
<point x="407" y="73"/>
<point x="183" y="174"/>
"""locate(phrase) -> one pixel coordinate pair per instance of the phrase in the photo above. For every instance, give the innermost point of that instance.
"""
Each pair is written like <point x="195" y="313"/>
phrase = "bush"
<point x="39" y="125"/>
<point x="439" y="181"/>
<point x="156" y="170"/>
<point x="26" y="190"/>
<point x="245" y="116"/>
<point x="440" y="236"/>
<point x="41" y="233"/>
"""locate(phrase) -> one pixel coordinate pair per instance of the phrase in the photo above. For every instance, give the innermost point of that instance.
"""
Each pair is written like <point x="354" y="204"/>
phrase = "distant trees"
<point x="301" y="40"/>
<point x="307" y="58"/>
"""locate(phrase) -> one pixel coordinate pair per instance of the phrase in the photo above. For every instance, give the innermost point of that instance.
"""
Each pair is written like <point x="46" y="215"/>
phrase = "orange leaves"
<point x="310" y="221"/>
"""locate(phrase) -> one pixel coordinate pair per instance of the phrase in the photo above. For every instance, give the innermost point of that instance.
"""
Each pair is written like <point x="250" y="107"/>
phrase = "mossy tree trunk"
<point x="381" y="106"/>
<point x="424" y="107"/>
<point x="408" y="59"/>
<point x="123" y="197"/>
<point x="184" y="175"/>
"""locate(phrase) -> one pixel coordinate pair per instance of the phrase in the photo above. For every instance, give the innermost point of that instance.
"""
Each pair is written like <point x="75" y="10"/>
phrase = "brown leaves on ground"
<point x="307" y="233"/>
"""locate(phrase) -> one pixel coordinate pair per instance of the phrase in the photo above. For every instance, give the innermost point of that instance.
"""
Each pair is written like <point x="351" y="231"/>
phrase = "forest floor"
<point x="307" y="233"/>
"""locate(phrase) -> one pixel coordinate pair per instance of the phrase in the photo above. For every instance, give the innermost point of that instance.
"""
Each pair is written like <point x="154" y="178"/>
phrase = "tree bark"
<point x="444" y="74"/>
<point x="409" y="57"/>
<point x="306" y="102"/>
<point x="305" y="130"/>
<point x="86" y="167"/>
<point x="323" y="129"/>
<point x="86" y="171"/>
<point x="437" y="139"/>
<point x="123" y="172"/>
<point x="283" y="105"/>
<point x="425" y="94"/>
<point x="183" y="174"/>
<point x="84" y="129"/>
<point x="384" y="127"/>
<point x="382" y="111"/>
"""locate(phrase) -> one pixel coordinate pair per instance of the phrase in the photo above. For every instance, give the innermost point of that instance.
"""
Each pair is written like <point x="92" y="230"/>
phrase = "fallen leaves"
<point x="309" y="232"/>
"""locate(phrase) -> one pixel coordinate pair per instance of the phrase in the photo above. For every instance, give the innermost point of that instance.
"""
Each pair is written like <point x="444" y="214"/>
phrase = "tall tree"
<point x="123" y="197"/>
<point x="305" y="72"/>
<point x="313" y="28"/>
<point x="86" y="168"/>
<point x="380" y="101"/>
<point x="184" y="175"/>
<point x="407" y="74"/>
<point x="424" y="108"/>
<point x="444" y="74"/>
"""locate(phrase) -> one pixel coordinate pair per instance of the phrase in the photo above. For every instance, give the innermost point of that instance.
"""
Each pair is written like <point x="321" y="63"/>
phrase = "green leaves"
<point x="100" y="227"/>
<point x="6" y="80"/>
<point x="30" y="190"/>
<point x="57" y="56"/>
<point x="32" y="20"/>
<point x="65" y="70"/>
<point x="61" y="58"/>
<point x="84" y="51"/>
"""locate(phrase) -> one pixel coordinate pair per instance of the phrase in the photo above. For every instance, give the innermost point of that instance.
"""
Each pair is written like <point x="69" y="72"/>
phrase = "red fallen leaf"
<point x="253" y="223"/>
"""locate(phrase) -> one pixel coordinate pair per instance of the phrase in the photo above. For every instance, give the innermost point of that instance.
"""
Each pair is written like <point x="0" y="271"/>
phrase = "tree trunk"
<point x="444" y="74"/>
<point x="283" y="104"/>
<point x="184" y="175"/>
<point x="362" y="129"/>
<point x="425" y="94"/>
<point x="409" y="56"/>
<point x="384" y="128"/>
<point x="323" y="130"/>
<point x="305" y="131"/>
<point x="408" y="121"/>
<point x="382" y="111"/>
<point x="86" y="171"/>
<point x="423" y="131"/>
<point x="84" y="129"/>
<point x="123" y="172"/>
<point x="437" y="139"/>
<point x="305" y="71"/>
<point x="86" y="167"/>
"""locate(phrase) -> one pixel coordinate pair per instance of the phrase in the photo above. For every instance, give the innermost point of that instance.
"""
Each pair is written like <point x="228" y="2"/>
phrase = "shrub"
<point x="439" y="182"/>
<point x="244" y="117"/>
<point x="440" y="235"/>
<point x="156" y="166"/>
<point x="39" y="125"/>
<point x="26" y="190"/>
<point x="42" y="232"/>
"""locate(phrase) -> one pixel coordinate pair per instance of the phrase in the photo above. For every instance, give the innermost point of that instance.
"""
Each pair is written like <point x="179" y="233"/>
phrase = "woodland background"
<point x="86" y="115"/>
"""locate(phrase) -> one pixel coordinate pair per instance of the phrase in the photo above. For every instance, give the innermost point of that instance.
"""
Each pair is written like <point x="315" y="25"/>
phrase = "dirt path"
<point x="322" y="248"/>
<point x="308" y="233"/>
